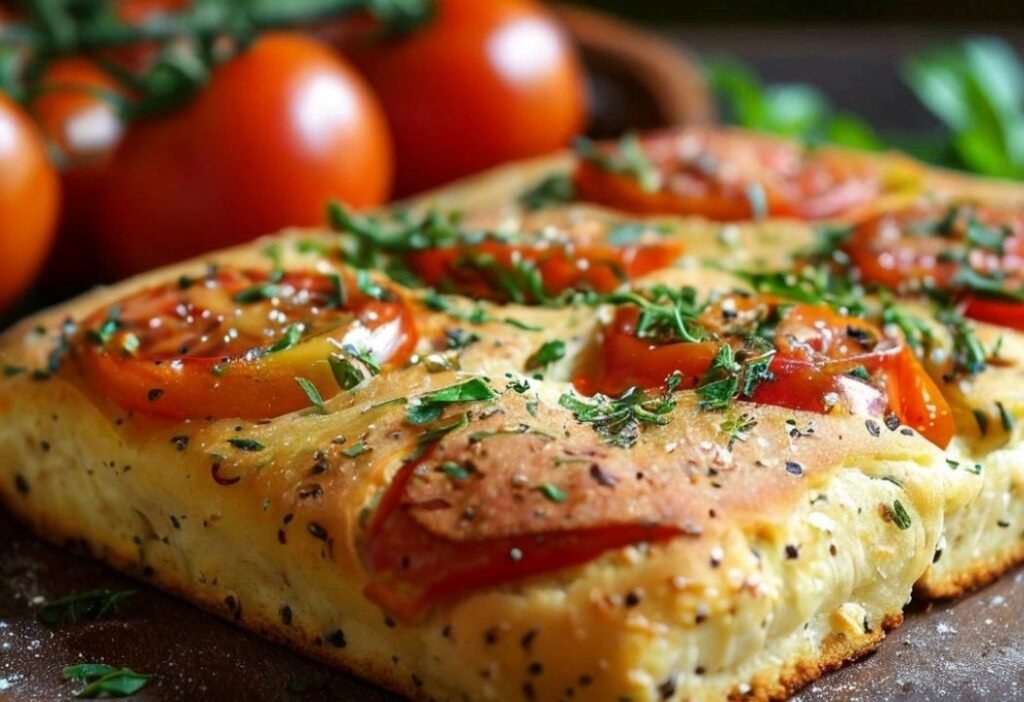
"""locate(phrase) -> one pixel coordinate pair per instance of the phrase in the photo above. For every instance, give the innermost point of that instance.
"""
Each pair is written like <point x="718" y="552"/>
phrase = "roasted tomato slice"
<point x="414" y="569"/>
<point x="528" y="269"/>
<point x="725" y="176"/>
<point x="802" y="356"/>
<point x="233" y="343"/>
<point x="975" y="254"/>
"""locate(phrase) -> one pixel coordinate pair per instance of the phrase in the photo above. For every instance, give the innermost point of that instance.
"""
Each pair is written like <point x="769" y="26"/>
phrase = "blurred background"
<point x="157" y="128"/>
<point x="800" y="11"/>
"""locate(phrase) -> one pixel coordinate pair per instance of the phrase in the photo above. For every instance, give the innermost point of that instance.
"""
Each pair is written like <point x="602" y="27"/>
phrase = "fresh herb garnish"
<point x="666" y="314"/>
<point x="292" y="335"/>
<point x="456" y="471"/>
<point x="553" y="189"/>
<point x="257" y="293"/>
<point x="95" y="604"/>
<point x="1005" y="418"/>
<point x="552" y="492"/>
<point x="548" y="353"/>
<point x="899" y="516"/>
<point x="915" y="330"/>
<point x="368" y="287"/>
<point x="627" y="160"/>
<point x="814" y="285"/>
<point x="429" y="406"/>
<point x="105" y="680"/>
<point x="968" y="353"/>
<point x="105" y="332"/>
<point x="312" y="393"/>
<point x="618" y="419"/>
<point x="734" y="373"/>
<point x="346" y="374"/>
<point x="736" y="428"/>
<point x="357" y="449"/>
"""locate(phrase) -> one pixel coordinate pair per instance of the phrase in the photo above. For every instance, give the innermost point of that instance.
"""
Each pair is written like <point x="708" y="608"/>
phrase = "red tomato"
<point x="950" y="249"/>
<point x="725" y="176"/>
<point x="29" y="201"/>
<point x="413" y="569"/>
<point x="85" y="129"/>
<point x="483" y="83"/>
<point x="816" y="353"/>
<point x="278" y="132"/>
<point x="232" y="344"/>
<point x="570" y="260"/>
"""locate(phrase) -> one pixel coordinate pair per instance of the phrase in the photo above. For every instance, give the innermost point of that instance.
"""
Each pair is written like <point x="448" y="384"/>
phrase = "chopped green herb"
<point x="355" y="450"/>
<point x="811" y="284"/>
<point x="989" y="238"/>
<point x="736" y="427"/>
<point x="1005" y="417"/>
<point x="981" y="419"/>
<point x="915" y="330"/>
<point x="519" y="385"/>
<point x="312" y="393"/>
<point x="95" y="604"/>
<point x="364" y="357"/>
<point x="11" y="371"/>
<point x="548" y="353"/>
<point x="106" y="331"/>
<point x="969" y="355"/>
<point x="477" y="436"/>
<point x="438" y="432"/>
<point x="129" y="344"/>
<point x="338" y="287"/>
<point x="105" y="681"/>
<point x="257" y="293"/>
<point x="423" y="413"/>
<point x="369" y="288"/>
<point x="346" y="373"/>
<point x="456" y="471"/>
<point x="429" y="406"/>
<point x="628" y="160"/>
<point x="553" y="189"/>
<point x="899" y="516"/>
<point x="728" y="378"/>
<point x="552" y="492"/>
<point x="990" y="284"/>
<point x="618" y="419"/>
<point x="292" y="335"/>
<point x="518" y="324"/>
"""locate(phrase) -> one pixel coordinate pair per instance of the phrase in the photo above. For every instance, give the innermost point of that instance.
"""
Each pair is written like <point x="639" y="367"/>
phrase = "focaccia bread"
<point x="533" y="451"/>
<point x="985" y="395"/>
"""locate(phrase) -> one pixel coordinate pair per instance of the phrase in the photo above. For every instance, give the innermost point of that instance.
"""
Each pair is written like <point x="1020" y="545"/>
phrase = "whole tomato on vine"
<point x="29" y="201"/>
<point x="481" y="82"/>
<point x="280" y="130"/>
